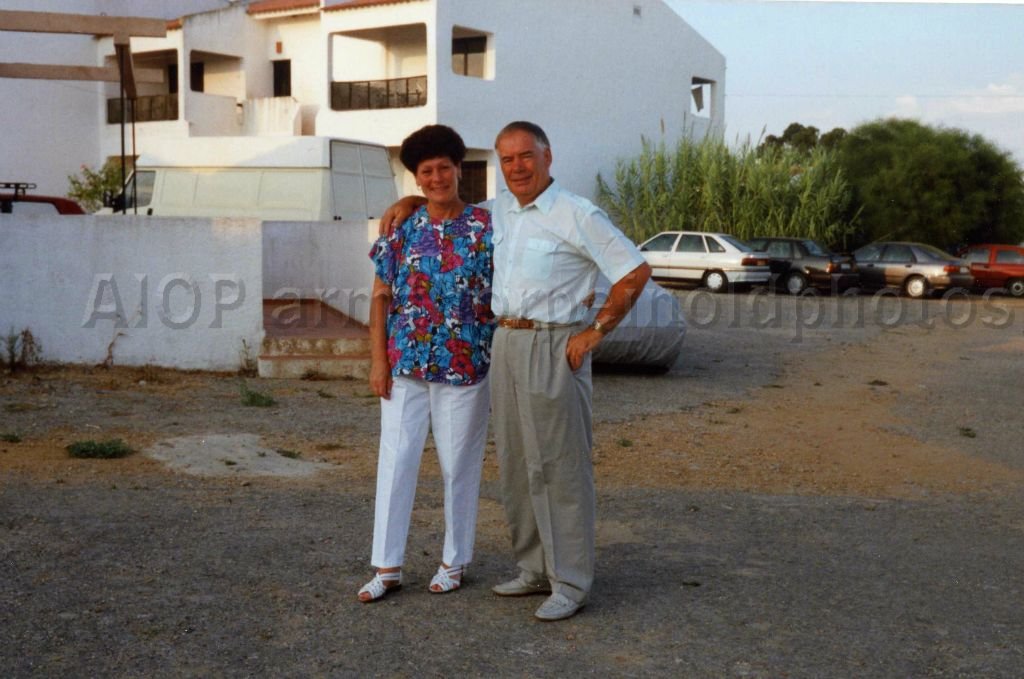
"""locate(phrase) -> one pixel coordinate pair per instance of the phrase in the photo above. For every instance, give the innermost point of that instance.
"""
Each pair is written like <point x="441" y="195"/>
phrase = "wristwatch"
<point x="599" y="327"/>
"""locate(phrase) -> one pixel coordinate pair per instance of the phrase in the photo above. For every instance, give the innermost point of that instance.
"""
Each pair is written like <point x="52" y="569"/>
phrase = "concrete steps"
<point x="304" y="338"/>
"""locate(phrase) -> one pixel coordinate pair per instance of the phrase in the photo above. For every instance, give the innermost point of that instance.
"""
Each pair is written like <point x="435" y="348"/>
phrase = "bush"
<point x="89" y="187"/>
<point x="102" y="450"/>
<point x="255" y="399"/>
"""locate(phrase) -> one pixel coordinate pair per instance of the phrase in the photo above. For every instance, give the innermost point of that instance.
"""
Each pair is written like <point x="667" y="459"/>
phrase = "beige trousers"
<point x="541" y="414"/>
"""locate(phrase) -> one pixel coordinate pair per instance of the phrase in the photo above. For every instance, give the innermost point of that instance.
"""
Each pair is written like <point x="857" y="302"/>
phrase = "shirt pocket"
<point x="538" y="258"/>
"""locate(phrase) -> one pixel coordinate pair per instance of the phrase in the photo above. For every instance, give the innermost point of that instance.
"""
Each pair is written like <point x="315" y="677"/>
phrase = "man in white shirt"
<point x="549" y="246"/>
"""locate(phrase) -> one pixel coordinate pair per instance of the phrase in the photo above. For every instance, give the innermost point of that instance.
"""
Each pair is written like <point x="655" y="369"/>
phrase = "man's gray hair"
<point x="524" y="126"/>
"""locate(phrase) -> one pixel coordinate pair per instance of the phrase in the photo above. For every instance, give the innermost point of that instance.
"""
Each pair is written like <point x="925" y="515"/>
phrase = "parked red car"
<point x="997" y="266"/>
<point x="18" y="201"/>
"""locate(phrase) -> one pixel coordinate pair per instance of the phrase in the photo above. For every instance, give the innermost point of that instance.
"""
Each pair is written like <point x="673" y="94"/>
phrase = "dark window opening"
<point x="468" y="56"/>
<point x="473" y="187"/>
<point x="172" y="78"/>
<point x="283" y="78"/>
<point x="197" y="74"/>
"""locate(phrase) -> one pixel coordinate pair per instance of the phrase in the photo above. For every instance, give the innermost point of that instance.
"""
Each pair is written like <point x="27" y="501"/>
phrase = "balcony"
<point x="147" y="109"/>
<point x="362" y="95"/>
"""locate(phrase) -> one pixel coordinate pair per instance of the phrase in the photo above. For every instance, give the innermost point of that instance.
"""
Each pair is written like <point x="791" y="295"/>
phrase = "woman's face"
<point x="438" y="178"/>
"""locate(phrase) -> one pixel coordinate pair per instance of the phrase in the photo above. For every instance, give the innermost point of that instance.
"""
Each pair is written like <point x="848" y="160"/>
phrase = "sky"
<point x="839" y="64"/>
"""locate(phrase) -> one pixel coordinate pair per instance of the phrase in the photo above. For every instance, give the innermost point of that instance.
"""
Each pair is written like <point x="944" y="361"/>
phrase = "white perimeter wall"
<point x="320" y="260"/>
<point x="181" y="293"/>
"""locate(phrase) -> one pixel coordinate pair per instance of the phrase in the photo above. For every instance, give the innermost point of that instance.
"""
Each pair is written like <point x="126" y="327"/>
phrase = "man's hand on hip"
<point x="580" y="345"/>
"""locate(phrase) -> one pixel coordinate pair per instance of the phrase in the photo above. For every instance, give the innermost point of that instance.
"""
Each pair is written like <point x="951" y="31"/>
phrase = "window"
<point x="779" y="248"/>
<point x="1010" y="257"/>
<point x="473" y="187"/>
<point x="172" y="78"/>
<point x="714" y="245"/>
<point x="738" y="244"/>
<point x="468" y="56"/>
<point x="868" y="253"/>
<point x="815" y="248"/>
<point x="283" y="78"/>
<point x="690" y="243"/>
<point x="977" y="255"/>
<point x="197" y="74"/>
<point x="660" y="243"/>
<point x="139" y="191"/>
<point x="898" y="253"/>
<point x="700" y="96"/>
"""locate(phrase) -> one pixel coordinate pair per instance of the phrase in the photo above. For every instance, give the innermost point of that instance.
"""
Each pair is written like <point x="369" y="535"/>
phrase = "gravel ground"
<point x="838" y="500"/>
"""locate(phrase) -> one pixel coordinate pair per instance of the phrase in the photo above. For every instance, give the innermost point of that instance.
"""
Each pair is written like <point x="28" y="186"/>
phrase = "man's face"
<point x="526" y="165"/>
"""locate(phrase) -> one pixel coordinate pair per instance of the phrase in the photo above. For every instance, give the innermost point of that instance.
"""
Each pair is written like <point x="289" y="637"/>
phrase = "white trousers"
<point x="457" y="415"/>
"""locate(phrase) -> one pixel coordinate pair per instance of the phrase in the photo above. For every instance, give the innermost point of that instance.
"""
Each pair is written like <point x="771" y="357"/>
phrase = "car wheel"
<point x="915" y="287"/>
<point x="1015" y="287"/>
<point x="715" y="281"/>
<point x="796" y="283"/>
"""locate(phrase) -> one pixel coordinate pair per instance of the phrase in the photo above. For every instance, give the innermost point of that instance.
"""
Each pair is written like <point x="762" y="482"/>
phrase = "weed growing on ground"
<point x="625" y="443"/>
<point x="247" y="364"/>
<point x="290" y="454"/>
<point x="324" y="394"/>
<point x="101" y="450"/>
<point x="968" y="432"/>
<point x="10" y="438"/>
<point x="22" y="350"/>
<point x="254" y="399"/>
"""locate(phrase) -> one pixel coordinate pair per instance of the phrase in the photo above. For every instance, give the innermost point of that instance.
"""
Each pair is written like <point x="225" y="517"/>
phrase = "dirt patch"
<point x="834" y="423"/>
<point x="828" y="426"/>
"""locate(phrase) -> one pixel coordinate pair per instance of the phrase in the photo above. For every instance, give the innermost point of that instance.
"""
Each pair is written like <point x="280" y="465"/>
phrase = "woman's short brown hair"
<point x="432" y="141"/>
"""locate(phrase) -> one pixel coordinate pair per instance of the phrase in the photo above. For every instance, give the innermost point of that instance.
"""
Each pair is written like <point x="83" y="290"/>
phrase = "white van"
<point x="272" y="178"/>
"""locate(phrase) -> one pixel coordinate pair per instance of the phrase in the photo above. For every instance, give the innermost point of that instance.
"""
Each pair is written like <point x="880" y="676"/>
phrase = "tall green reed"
<point x="747" y="192"/>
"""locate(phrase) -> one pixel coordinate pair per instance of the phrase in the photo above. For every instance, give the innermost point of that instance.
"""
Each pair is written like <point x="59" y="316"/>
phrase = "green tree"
<point x="89" y="186"/>
<point x="804" y="138"/>
<point x="940" y="186"/>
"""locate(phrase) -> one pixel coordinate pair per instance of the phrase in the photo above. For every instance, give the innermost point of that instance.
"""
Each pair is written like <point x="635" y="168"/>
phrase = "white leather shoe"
<point x="557" y="607"/>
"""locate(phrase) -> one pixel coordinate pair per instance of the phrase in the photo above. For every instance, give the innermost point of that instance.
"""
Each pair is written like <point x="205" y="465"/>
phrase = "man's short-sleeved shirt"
<point x="547" y="255"/>
<point x="439" y="323"/>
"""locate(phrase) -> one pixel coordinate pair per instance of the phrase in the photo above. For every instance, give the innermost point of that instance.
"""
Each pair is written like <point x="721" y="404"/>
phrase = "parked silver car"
<point x="716" y="260"/>
<point x="915" y="268"/>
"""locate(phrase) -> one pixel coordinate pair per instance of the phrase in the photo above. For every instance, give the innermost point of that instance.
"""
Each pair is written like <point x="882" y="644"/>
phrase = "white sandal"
<point x="444" y="579"/>
<point x="377" y="587"/>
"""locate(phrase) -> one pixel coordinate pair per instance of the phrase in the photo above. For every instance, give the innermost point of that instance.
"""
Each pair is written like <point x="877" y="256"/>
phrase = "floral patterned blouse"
<point x="439" y="325"/>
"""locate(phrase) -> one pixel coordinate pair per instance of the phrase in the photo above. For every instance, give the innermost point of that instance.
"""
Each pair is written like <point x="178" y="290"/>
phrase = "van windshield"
<point x="138" y="190"/>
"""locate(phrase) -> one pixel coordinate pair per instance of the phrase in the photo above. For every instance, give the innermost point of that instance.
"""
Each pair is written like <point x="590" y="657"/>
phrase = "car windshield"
<point x="815" y="248"/>
<point x="738" y="244"/>
<point x="933" y="253"/>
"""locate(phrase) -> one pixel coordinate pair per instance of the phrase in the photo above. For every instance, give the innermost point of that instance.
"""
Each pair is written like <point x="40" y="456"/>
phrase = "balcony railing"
<point x="372" y="94"/>
<point x="147" y="109"/>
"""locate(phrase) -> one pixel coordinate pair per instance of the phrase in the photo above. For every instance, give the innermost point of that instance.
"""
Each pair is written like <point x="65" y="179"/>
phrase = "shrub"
<point x="90" y="186"/>
<point x="254" y="399"/>
<point x="103" y="450"/>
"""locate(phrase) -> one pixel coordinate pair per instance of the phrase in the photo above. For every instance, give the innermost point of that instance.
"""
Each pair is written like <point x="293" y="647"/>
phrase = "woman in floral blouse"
<point x="430" y="329"/>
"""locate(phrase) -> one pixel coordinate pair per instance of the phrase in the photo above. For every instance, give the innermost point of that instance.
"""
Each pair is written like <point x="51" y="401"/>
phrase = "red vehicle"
<point x="19" y="202"/>
<point x="997" y="266"/>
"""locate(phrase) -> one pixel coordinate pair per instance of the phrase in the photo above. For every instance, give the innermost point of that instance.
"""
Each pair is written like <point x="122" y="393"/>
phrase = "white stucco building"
<point x="596" y="74"/>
